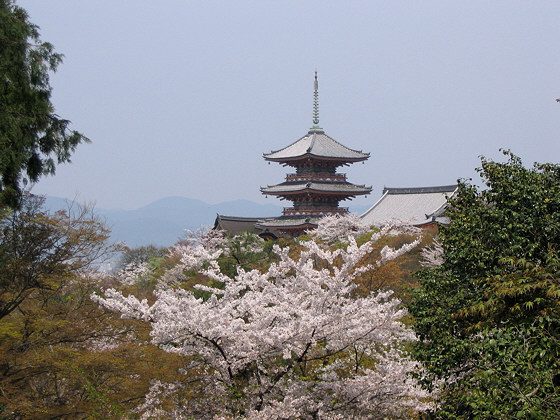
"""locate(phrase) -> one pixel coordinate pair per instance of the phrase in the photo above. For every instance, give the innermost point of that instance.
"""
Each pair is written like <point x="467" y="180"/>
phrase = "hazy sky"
<point x="183" y="97"/>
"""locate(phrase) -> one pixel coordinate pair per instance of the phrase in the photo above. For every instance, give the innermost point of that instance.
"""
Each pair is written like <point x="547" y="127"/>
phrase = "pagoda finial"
<point x="316" y="101"/>
<point x="316" y="128"/>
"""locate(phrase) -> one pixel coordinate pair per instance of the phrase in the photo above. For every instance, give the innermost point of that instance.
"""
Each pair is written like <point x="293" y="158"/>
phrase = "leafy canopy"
<point x="33" y="139"/>
<point x="61" y="355"/>
<point x="487" y="318"/>
<point x="40" y="250"/>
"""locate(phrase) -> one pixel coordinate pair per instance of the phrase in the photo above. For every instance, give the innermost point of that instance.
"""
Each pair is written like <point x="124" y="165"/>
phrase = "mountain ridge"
<point x="164" y="221"/>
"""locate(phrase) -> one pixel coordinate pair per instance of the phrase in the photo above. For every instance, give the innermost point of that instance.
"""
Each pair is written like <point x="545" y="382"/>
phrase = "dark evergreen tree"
<point x="33" y="139"/>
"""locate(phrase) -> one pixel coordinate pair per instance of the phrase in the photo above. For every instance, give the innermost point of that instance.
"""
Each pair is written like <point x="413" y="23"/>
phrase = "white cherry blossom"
<point x="289" y="342"/>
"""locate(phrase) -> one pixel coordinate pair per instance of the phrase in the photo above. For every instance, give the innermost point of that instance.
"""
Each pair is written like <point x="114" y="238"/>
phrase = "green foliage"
<point x="518" y="215"/>
<point x="61" y="354"/>
<point x="529" y="293"/>
<point x="245" y="251"/>
<point x="33" y="139"/>
<point x="150" y="254"/>
<point x="40" y="251"/>
<point x="487" y="318"/>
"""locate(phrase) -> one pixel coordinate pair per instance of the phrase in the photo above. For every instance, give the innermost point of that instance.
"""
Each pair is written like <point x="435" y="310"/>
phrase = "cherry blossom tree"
<point x="338" y="228"/>
<point x="432" y="256"/>
<point x="287" y="342"/>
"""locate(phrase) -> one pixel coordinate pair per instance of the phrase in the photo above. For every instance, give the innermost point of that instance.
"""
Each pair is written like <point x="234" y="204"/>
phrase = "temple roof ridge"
<point x="421" y="190"/>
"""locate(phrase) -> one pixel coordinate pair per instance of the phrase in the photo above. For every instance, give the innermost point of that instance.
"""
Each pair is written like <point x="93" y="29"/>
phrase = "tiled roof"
<point x="235" y="225"/>
<point x="280" y="222"/>
<point x="331" y="187"/>
<point x="319" y="145"/>
<point x="414" y="206"/>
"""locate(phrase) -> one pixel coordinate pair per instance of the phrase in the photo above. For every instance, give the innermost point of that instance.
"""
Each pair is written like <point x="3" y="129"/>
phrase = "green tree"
<point x="33" y="139"/>
<point x="40" y="251"/>
<point x="140" y="255"/>
<point x="488" y="317"/>
<point x="61" y="355"/>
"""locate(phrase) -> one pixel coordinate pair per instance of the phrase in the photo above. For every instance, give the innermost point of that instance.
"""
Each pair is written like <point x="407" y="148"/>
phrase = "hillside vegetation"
<point x="65" y="355"/>
<point x="311" y="327"/>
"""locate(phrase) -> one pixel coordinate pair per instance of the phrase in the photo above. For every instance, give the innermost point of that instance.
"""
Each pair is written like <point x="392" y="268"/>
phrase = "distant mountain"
<point x="164" y="221"/>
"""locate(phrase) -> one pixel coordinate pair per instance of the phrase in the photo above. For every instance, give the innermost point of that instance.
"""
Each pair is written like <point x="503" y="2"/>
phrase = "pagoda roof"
<point x="412" y="206"/>
<point x="316" y="144"/>
<point x="344" y="188"/>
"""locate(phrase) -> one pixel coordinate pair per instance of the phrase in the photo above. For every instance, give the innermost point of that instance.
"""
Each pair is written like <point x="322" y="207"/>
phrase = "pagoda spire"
<point x="315" y="128"/>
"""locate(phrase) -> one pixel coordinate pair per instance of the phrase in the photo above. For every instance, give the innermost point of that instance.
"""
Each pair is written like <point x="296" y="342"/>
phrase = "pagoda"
<point x="316" y="188"/>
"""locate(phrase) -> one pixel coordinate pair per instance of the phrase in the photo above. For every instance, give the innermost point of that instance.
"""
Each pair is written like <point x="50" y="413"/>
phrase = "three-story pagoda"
<point x="316" y="188"/>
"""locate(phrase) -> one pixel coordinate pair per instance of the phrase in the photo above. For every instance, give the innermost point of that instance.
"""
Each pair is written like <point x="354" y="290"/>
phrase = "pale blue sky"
<point x="183" y="97"/>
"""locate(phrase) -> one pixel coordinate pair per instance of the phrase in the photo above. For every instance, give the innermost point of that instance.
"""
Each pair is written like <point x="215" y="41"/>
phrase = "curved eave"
<point x="319" y="145"/>
<point x="310" y="156"/>
<point x="311" y="190"/>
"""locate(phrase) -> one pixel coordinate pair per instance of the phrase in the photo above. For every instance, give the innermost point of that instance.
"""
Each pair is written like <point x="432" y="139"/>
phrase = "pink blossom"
<point x="292" y="340"/>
